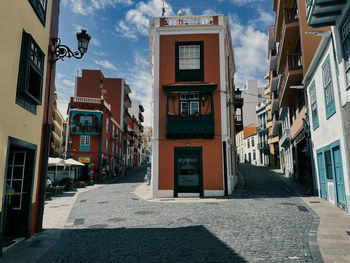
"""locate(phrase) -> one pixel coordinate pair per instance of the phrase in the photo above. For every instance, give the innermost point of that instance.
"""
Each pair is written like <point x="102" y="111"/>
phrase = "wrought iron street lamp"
<point x="61" y="51"/>
<point x="238" y="94"/>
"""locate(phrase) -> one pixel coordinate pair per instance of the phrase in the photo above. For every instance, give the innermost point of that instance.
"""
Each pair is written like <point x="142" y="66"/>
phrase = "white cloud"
<point x="264" y="18"/>
<point x="88" y="7"/>
<point x="106" y="64"/>
<point x="95" y="42"/>
<point x="68" y="82"/>
<point x="250" y="56"/>
<point x="100" y="53"/>
<point x="136" y="20"/>
<point x="244" y="2"/>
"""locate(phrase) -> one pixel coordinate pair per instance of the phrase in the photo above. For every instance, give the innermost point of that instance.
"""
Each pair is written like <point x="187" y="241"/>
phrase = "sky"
<point x="119" y="44"/>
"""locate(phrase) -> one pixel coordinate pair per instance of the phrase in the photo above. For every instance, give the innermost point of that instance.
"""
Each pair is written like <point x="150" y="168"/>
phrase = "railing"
<point x="285" y="137"/>
<point x="189" y="20"/>
<point x="190" y="126"/>
<point x="263" y="145"/>
<point x="93" y="101"/>
<point x="293" y="62"/>
<point x="83" y="127"/>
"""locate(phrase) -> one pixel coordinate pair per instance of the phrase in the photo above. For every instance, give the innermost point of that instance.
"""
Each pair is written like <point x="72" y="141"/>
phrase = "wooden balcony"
<point x="190" y="126"/>
<point x="322" y="13"/>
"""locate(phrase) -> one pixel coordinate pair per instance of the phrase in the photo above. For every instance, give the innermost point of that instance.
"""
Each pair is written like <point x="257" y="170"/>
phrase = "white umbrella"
<point x="71" y="162"/>
<point x="55" y="162"/>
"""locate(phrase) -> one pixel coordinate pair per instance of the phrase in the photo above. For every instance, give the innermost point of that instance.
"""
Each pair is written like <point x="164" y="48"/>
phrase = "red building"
<point x="193" y="68"/>
<point x="94" y="137"/>
<point x="113" y="108"/>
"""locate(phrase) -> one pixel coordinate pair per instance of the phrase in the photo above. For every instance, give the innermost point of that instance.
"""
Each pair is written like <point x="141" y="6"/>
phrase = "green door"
<point x="188" y="170"/>
<point x="322" y="175"/>
<point x="339" y="178"/>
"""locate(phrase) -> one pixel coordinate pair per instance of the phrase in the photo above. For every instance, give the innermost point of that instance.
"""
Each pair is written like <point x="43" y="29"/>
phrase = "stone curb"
<point x="312" y="239"/>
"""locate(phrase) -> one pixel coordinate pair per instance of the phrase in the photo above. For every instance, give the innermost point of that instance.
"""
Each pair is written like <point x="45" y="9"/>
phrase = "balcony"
<point x="289" y="32"/>
<point x="285" y="138"/>
<point x="276" y="125"/>
<point x="292" y="75"/>
<point x="322" y="13"/>
<point x="269" y="123"/>
<point x="190" y="126"/>
<point x="263" y="146"/>
<point x="273" y="58"/>
<point x="127" y="101"/>
<point x="272" y="42"/>
<point x="275" y="101"/>
<point x="84" y="128"/>
<point x="262" y="127"/>
<point x="273" y="139"/>
<point x="267" y="91"/>
<point x="188" y="21"/>
<point x="141" y="117"/>
<point x="274" y="80"/>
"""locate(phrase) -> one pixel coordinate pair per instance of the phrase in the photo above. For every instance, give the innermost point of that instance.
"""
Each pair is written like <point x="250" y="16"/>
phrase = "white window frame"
<point x="85" y="140"/>
<point x="189" y="57"/>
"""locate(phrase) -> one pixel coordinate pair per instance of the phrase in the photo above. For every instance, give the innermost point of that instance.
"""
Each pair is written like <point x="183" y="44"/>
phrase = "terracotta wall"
<point x="211" y="148"/>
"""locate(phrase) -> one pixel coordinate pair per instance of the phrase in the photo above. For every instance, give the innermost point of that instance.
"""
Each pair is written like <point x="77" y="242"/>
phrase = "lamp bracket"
<point x="61" y="51"/>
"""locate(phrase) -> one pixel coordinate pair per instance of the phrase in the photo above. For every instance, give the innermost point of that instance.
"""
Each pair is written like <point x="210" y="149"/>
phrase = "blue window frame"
<point x="85" y="143"/>
<point x="39" y="7"/>
<point x="106" y="146"/>
<point x="328" y="88"/>
<point x="313" y="103"/>
<point x="345" y="37"/>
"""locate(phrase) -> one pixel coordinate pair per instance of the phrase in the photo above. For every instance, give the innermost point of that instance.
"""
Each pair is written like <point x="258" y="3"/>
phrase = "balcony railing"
<point x="84" y="128"/>
<point x="262" y="127"/>
<point x="285" y="138"/>
<point x="190" y="126"/>
<point x="294" y="62"/>
<point x="189" y="20"/>
<point x="92" y="101"/>
<point x="263" y="145"/>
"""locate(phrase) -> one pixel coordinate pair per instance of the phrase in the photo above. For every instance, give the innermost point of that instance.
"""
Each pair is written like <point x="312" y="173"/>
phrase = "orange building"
<point x="192" y="67"/>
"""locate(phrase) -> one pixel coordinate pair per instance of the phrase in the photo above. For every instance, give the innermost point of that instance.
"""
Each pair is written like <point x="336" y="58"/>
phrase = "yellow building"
<point x="56" y="140"/>
<point x="25" y="28"/>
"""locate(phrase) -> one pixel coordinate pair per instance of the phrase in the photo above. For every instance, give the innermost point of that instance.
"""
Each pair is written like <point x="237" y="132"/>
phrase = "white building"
<point x="327" y="128"/>
<point x="252" y="96"/>
<point x="263" y="133"/>
<point x="327" y="84"/>
<point x="285" y="146"/>
<point x="251" y="152"/>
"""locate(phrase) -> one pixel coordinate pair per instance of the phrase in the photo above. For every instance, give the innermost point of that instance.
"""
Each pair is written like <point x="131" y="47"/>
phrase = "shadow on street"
<point x="182" y="244"/>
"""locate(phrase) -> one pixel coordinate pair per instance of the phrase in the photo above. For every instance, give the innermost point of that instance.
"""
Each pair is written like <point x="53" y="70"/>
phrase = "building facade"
<point x="56" y="138"/>
<point x="295" y="51"/>
<point x="26" y="93"/>
<point x="192" y="67"/>
<point x="327" y="85"/>
<point x="115" y="91"/>
<point x="285" y="146"/>
<point x="240" y="147"/>
<point x="94" y="137"/>
<point x="252" y="96"/>
<point x="263" y="133"/>
<point x="251" y="151"/>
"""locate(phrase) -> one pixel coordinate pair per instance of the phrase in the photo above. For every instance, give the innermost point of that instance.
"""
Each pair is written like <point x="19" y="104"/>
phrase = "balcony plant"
<point x="183" y="114"/>
<point x="196" y="114"/>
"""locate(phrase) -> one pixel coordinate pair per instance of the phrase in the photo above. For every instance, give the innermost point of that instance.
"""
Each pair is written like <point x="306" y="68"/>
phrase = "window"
<point x="328" y="163"/>
<point x="113" y="129"/>
<point x="116" y="150"/>
<point x="189" y="103"/>
<point x="189" y="64"/>
<point x="313" y="101"/>
<point x="248" y="143"/>
<point x="253" y="142"/>
<point x="254" y="155"/>
<point x="301" y="100"/>
<point x="39" y="7"/>
<point x="189" y="57"/>
<point x="107" y="124"/>
<point x="30" y="74"/>
<point x="328" y="88"/>
<point x="85" y="119"/>
<point x="345" y="37"/>
<point x="85" y="140"/>
<point x="112" y="148"/>
<point x="106" y="146"/>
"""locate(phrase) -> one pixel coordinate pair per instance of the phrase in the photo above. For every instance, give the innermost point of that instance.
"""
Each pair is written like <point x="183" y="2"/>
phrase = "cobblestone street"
<point x="262" y="222"/>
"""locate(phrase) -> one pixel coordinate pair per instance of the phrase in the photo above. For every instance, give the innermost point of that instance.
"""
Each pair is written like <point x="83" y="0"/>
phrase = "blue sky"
<point x="119" y="43"/>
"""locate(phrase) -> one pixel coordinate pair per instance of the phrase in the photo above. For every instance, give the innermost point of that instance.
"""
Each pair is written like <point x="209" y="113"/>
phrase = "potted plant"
<point x="183" y="114"/>
<point x="196" y="114"/>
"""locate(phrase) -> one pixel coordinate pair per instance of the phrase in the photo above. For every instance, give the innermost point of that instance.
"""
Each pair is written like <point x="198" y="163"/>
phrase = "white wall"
<point x="251" y="149"/>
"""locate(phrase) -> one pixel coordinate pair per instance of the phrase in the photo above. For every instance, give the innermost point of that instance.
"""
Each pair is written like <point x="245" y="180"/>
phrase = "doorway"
<point x="18" y="186"/>
<point x="188" y="170"/>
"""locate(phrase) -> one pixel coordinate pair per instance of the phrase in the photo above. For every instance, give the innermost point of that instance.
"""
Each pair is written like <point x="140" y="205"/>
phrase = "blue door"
<point x="339" y="177"/>
<point x="322" y="175"/>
